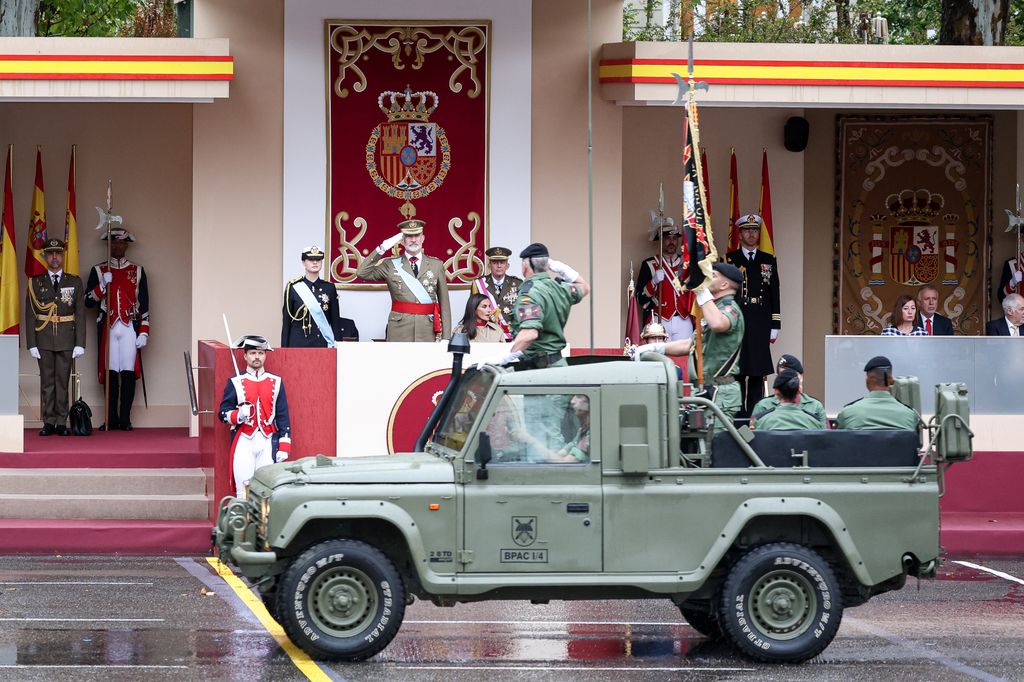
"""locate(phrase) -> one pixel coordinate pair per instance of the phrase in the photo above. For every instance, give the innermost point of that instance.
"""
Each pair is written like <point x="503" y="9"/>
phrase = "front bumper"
<point x="236" y="537"/>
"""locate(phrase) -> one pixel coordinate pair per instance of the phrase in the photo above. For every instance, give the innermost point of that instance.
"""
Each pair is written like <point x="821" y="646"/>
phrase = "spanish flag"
<point x="767" y="232"/>
<point x="9" y="301"/>
<point x="71" y="222"/>
<point x="35" y="264"/>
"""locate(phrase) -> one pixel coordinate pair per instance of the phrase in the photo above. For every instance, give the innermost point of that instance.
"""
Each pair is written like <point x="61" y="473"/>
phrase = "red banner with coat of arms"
<point x="407" y="137"/>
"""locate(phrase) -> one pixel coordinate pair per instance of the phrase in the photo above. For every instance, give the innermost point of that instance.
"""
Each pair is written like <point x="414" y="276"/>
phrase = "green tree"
<point x="106" y="18"/>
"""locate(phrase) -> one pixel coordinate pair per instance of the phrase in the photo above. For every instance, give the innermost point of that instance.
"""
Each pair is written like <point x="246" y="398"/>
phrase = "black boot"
<point x="114" y="384"/>
<point x="124" y="415"/>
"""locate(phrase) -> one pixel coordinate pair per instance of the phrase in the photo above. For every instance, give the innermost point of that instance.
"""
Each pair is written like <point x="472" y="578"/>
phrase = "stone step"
<point x="61" y="482"/>
<point x="100" y="506"/>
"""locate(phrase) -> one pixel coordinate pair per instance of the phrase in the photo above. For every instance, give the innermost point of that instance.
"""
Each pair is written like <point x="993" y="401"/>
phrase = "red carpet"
<point x="139" y="449"/>
<point x="69" y="536"/>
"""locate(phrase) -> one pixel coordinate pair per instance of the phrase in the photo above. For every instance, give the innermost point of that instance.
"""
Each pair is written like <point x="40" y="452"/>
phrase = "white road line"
<point x="86" y="666"/>
<point x="562" y="623"/>
<point x="986" y="569"/>
<point x="68" y="582"/>
<point x="570" y="668"/>
<point x="81" y="620"/>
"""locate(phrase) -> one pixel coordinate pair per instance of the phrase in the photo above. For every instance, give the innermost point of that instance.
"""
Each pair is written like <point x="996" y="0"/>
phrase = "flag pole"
<point x="105" y="357"/>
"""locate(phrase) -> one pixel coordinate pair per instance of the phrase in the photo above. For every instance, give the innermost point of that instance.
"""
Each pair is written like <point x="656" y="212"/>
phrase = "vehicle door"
<point x="537" y="507"/>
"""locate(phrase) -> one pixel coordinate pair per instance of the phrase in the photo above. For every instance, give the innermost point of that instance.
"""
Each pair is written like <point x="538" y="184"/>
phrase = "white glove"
<point x="244" y="413"/>
<point x="77" y="352"/>
<point x="704" y="295"/>
<point x="510" y="358"/>
<point x="142" y="340"/>
<point x="659" y="277"/>
<point x="281" y="456"/>
<point x="34" y="352"/>
<point x="106" y="279"/>
<point x="564" y="272"/>
<point x="648" y="348"/>
<point x="775" y="335"/>
<point x="389" y="243"/>
<point x="1017" y="276"/>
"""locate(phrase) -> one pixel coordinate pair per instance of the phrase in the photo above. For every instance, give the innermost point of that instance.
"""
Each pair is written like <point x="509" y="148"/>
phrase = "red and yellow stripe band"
<point x="117" y="67"/>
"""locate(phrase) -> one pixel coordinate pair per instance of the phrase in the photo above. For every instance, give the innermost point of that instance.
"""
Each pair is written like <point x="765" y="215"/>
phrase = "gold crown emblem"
<point x="950" y="219"/>
<point x="909" y="204"/>
<point x="408" y="105"/>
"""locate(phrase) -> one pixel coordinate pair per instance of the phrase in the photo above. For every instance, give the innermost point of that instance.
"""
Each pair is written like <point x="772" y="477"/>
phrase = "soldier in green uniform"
<point x="879" y="409"/>
<point x="787" y="414"/>
<point x="550" y="290"/>
<point x="805" y="402"/>
<point x="722" y="338"/>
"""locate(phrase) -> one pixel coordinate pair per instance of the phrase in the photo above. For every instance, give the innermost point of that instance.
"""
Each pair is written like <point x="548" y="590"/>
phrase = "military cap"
<point x="534" y="250"/>
<point x="790" y="362"/>
<point x="729" y="271"/>
<point x="661" y="225"/>
<point x="785" y="377"/>
<point x="252" y="342"/>
<point x="412" y="227"/>
<point x="751" y="220"/>
<point x="119" y="234"/>
<point x="498" y="253"/>
<point x="878" y="362"/>
<point x="313" y="252"/>
<point x="653" y="329"/>
<point x="53" y="245"/>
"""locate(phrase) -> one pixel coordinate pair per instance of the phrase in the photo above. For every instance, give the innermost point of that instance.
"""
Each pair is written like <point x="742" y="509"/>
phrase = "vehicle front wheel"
<point x="781" y="603"/>
<point x="341" y="600"/>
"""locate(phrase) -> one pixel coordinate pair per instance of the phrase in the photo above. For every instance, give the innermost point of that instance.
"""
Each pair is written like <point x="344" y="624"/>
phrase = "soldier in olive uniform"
<point x="722" y="339"/>
<point x="55" y="334"/>
<point x="420" y="310"/>
<point x="500" y="287"/>
<point x="550" y="290"/>
<point x="879" y="409"/>
<point x="786" y="414"/>
<point x="310" y="315"/>
<point x="805" y="402"/>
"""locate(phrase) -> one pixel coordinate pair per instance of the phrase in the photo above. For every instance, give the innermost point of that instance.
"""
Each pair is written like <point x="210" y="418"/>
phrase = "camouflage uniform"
<point x="877" y="410"/>
<point x="721" y="359"/>
<point x="807" y="403"/>
<point x="787" y="417"/>
<point x="544" y="304"/>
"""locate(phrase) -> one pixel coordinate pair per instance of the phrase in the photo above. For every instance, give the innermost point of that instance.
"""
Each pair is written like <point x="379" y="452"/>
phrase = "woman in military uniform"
<point x="310" y="315"/>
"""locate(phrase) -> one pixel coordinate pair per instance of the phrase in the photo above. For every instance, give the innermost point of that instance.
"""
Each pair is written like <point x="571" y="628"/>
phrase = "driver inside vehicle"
<point x="517" y="439"/>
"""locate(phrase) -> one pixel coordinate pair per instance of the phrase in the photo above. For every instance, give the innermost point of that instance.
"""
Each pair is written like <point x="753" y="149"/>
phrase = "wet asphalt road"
<point x="108" y="619"/>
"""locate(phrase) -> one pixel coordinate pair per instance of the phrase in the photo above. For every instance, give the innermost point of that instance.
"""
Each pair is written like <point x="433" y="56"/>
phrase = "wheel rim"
<point x="782" y="603"/>
<point x="343" y="601"/>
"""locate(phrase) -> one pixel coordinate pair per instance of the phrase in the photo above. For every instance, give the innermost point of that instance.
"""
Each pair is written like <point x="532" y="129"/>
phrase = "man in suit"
<point x="1013" y="318"/>
<point x="929" y="320"/>
<point x="759" y="300"/>
<point x="55" y="334"/>
<point x="500" y="287"/>
<point x="418" y="284"/>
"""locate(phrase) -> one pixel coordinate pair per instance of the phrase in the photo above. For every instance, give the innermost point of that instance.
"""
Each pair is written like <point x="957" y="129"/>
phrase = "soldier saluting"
<point x="310" y="316"/>
<point x="55" y="334"/>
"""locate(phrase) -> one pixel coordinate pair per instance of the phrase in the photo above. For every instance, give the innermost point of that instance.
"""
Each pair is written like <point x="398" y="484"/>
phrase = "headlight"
<point x="261" y="526"/>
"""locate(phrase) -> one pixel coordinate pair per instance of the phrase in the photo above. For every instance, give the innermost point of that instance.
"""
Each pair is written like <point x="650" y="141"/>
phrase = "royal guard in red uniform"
<point x="255" y="406"/>
<point x="658" y="299"/>
<point x="128" y="321"/>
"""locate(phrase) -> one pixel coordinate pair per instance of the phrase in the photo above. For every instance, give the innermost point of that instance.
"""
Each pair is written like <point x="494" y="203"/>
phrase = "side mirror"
<point x="483" y="456"/>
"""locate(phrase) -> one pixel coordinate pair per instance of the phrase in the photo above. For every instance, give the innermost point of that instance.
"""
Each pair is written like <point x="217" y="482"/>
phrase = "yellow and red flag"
<point x="35" y="264"/>
<point x="767" y="231"/>
<point x="9" y="300"/>
<point x="704" y="176"/>
<point x="734" y="203"/>
<point x="71" y="222"/>
<point x="699" y="252"/>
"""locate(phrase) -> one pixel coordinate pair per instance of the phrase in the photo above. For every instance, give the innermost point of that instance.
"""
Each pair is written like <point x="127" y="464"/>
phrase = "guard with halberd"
<point x="311" y="316"/>
<point x="500" y="287"/>
<point x="54" y="334"/>
<point x="420" y="310"/>
<point x="759" y="300"/>
<point x="658" y="299"/>
<point x="256" y="407"/>
<point x="128" y="322"/>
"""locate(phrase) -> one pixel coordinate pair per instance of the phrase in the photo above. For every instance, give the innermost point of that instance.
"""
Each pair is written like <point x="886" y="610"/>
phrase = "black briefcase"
<point x="81" y="418"/>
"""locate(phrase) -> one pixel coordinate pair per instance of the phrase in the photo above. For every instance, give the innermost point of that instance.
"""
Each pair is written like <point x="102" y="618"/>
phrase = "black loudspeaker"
<point x="795" y="133"/>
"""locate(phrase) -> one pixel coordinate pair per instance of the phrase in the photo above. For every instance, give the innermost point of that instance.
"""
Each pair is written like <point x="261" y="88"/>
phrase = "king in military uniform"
<point x="420" y="310"/>
<point x="128" y="321"/>
<point x="759" y="300"/>
<point x="310" y="315"/>
<point x="55" y="334"/>
<point x="501" y="288"/>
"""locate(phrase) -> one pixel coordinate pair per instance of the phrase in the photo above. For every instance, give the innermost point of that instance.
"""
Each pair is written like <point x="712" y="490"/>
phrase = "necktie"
<point x="750" y="256"/>
<point x="1014" y="330"/>
<point x="928" y="327"/>
<point x="56" y="282"/>
<point x="415" y="266"/>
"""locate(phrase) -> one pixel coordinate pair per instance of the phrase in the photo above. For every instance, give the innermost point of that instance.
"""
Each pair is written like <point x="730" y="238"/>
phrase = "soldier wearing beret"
<point x="786" y="414"/>
<point x="759" y="300"/>
<point x="420" y="310"/>
<point x="805" y="402"/>
<point x="501" y="288"/>
<point x="310" y="316"/>
<point x="55" y="334"/>
<point x="879" y="409"/>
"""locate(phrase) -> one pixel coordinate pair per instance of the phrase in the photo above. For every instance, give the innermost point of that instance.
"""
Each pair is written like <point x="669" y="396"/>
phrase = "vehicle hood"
<point x="404" y="468"/>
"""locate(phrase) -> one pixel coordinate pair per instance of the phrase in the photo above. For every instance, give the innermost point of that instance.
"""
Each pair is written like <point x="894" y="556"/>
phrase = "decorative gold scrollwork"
<point x="464" y="266"/>
<point x="343" y="268"/>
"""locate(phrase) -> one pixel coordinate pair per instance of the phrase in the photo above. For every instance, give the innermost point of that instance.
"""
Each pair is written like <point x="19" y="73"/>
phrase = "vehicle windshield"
<point x="463" y="409"/>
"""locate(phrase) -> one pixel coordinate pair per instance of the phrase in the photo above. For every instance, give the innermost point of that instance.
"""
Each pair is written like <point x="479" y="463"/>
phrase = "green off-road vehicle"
<point x="602" y="480"/>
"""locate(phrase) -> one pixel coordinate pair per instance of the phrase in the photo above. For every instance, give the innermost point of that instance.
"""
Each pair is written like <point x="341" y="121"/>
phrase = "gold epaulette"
<point x="293" y="280"/>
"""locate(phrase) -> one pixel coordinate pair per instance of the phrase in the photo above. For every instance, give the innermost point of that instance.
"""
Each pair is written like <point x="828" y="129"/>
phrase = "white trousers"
<point x="121" y="357"/>
<point x="678" y="328"/>
<point x="250" y="455"/>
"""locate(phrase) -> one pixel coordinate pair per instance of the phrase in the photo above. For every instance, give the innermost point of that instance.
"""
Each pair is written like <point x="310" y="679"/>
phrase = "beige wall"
<point x="146" y="150"/>
<point x="559" y="210"/>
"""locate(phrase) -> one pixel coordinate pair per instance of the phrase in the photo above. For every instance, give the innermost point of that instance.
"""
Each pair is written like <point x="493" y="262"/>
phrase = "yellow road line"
<point x="302" y="661"/>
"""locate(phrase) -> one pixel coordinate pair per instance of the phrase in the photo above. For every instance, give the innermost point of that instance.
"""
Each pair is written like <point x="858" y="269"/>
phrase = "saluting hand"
<point x="389" y="243"/>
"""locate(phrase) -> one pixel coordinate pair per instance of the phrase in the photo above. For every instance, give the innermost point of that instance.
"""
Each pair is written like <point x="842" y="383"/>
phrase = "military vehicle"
<point x="759" y="538"/>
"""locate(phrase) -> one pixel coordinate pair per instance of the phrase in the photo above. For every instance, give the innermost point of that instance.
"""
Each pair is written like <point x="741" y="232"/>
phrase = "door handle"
<point x="578" y="508"/>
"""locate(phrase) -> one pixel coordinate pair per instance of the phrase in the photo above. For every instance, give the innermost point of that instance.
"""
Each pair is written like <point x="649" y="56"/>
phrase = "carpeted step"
<point x="70" y="536"/>
<point x="178" y="507"/>
<point x="142" y="448"/>
<point x="59" y="482"/>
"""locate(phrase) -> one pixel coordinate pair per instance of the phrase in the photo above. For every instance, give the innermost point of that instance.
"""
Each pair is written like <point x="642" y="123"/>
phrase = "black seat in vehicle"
<point x="837" y="448"/>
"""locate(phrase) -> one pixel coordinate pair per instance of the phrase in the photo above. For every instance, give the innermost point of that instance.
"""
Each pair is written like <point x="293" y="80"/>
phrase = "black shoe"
<point x="62" y="430"/>
<point x="126" y="426"/>
<point x="48" y="430"/>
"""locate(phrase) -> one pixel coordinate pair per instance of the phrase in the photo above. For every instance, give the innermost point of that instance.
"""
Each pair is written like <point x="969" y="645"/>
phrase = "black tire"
<point x="703" y="621"/>
<point x="270" y="601"/>
<point x="780" y="603"/>
<point x="341" y="600"/>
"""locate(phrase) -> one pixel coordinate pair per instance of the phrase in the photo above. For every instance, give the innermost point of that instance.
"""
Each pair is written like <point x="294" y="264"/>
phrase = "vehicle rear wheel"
<point x="341" y="600"/>
<point x="703" y="621"/>
<point x="781" y="603"/>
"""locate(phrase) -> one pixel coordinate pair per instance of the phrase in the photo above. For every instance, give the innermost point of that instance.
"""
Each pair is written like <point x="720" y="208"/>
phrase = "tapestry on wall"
<point x="912" y="209"/>
<point x="407" y="117"/>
